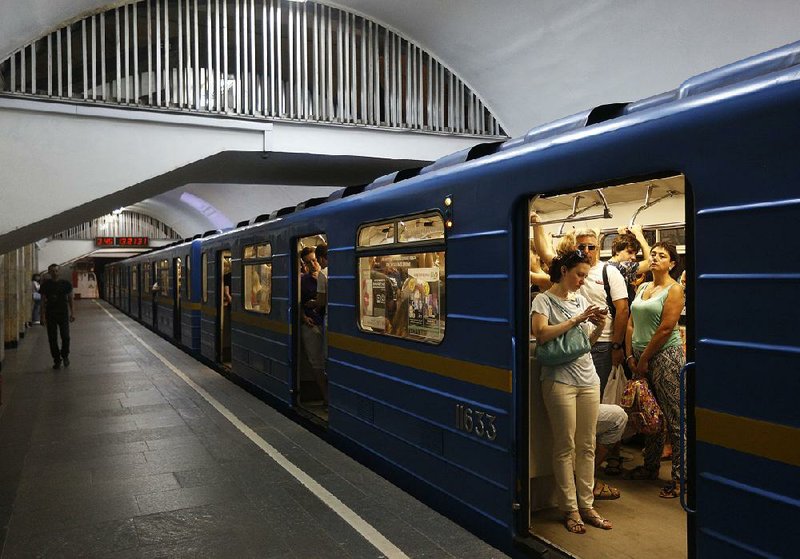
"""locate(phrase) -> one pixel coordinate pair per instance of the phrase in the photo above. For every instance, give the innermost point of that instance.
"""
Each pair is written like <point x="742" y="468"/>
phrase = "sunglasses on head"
<point x="583" y="246"/>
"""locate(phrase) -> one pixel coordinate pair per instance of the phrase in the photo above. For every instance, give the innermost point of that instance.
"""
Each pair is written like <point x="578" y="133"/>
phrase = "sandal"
<point x="613" y="466"/>
<point x="592" y="517"/>
<point x="574" y="525"/>
<point x="606" y="492"/>
<point x="670" y="491"/>
<point x="640" y="472"/>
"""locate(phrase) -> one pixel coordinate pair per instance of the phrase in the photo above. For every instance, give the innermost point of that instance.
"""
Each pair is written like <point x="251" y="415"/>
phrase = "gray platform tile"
<point x="174" y="442"/>
<point x="204" y="476"/>
<point x="54" y="479"/>
<point x="142" y="397"/>
<point x="180" y="458"/>
<point x="61" y="452"/>
<point x="158" y="419"/>
<point x="188" y="497"/>
<point x="83" y="511"/>
<point x="98" y="540"/>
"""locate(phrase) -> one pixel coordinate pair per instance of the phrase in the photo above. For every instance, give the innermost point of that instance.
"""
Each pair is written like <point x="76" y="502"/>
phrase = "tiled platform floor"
<point x="117" y="457"/>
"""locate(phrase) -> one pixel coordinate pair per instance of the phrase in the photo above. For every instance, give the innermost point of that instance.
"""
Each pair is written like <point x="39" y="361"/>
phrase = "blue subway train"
<point x="428" y="360"/>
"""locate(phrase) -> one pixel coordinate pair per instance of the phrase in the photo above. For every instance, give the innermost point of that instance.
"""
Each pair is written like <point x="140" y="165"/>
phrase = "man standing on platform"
<point x="57" y="313"/>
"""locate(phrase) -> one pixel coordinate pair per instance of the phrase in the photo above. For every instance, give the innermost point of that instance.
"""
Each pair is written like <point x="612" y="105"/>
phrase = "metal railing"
<point x="274" y="59"/>
<point x="124" y="224"/>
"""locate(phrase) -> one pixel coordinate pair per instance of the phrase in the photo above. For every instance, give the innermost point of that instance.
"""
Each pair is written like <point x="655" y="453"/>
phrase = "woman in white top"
<point x="37" y="299"/>
<point x="571" y="390"/>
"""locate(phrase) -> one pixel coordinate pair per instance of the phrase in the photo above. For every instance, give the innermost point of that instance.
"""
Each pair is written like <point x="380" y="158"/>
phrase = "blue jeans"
<point x="601" y="355"/>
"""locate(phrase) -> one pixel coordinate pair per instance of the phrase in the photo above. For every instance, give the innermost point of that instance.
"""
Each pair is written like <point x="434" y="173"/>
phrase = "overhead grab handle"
<point x="577" y="214"/>
<point x="647" y="203"/>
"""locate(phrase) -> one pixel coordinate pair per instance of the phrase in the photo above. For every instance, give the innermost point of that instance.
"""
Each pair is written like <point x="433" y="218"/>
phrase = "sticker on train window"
<point x="424" y="228"/>
<point x="402" y="295"/>
<point x="257" y="251"/>
<point x="376" y="235"/>
<point x="163" y="277"/>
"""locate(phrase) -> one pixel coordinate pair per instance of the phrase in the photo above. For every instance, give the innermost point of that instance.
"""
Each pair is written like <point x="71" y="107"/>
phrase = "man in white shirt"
<point x="609" y="349"/>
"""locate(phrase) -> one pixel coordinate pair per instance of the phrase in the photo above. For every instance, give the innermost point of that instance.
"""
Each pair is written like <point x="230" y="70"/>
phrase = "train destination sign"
<point x="121" y="242"/>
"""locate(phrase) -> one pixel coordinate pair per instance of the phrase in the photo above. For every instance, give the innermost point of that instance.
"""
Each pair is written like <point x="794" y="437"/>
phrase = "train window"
<point x="674" y="235"/>
<point x="187" y="282"/>
<point x="422" y="228"/>
<point x="257" y="274"/>
<point x="376" y="235"/>
<point x="257" y="251"/>
<point x="134" y="278"/>
<point x="178" y="275"/>
<point x="163" y="277"/>
<point x="402" y="295"/>
<point x="204" y="276"/>
<point x="146" y="277"/>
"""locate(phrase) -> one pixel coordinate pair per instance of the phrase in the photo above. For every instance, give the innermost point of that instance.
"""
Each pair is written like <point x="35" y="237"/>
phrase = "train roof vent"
<point x="198" y="236"/>
<point x="243" y="223"/>
<point x="187" y="240"/>
<point x="393" y="178"/>
<point x="211" y="232"/>
<point x="484" y="149"/>
<point x="347" y="191"/>
<point x="598" y="114"/>
<point x="650" y="102"/>
<point x="749" y="68"/>
<point x="261" y="218"/>
<point x="310" y="203"/>
<point x="511" y="144"/>
<point x="447" y="161"/>
<point x="283" y="211"/>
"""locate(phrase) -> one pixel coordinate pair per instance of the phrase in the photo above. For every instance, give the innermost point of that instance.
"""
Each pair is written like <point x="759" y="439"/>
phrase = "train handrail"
<point x="682" y="438"/>
<point x="647" y="203"/>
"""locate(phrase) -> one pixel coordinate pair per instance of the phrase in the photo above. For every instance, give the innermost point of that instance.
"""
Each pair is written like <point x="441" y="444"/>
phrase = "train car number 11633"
<point x="475" y="421"/>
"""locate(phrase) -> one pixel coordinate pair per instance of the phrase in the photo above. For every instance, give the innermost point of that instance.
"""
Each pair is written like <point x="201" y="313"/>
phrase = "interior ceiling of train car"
<point x="531" y="63"/>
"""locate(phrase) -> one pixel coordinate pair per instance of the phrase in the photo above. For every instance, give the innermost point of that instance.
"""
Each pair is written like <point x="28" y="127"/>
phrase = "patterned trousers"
<point x="664" y="380"/>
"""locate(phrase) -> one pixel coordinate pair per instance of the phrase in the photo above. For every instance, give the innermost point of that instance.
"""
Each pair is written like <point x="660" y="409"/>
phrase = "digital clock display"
<point x="122" y="241"/>
<point x="133" y="241"/>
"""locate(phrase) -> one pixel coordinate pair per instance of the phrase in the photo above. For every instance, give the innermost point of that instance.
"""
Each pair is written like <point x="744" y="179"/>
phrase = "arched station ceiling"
<point x="532" y="61"/>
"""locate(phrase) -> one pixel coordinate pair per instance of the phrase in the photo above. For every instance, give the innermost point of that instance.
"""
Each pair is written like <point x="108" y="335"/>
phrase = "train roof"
<point x="750" y="68"/>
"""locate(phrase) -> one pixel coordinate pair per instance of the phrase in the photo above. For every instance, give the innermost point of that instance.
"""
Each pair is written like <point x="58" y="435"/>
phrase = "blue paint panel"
<point x="495" y="503"/>
<point x="738" y="511"/>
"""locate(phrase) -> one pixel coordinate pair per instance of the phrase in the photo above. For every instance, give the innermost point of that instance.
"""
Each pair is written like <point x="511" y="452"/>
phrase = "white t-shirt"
<point x="581" y="371"/>
<point x="595" y="293"/>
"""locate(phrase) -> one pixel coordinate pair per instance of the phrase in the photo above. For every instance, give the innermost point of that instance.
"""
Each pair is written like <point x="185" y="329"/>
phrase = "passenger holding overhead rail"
<point x="571" y="390"/>
<point x="655" y="351"/>
<point x="604" y="287"/>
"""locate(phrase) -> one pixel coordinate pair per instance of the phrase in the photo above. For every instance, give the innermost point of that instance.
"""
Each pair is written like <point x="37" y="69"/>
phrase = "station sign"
<point x="111" y="242"/>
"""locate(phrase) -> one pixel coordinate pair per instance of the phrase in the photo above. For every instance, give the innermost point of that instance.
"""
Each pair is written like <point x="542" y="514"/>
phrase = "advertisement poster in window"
<point x="422" y="285"/>
<point x="370" y="317"/>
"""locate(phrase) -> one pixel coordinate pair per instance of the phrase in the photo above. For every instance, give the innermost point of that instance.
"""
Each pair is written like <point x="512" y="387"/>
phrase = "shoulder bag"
<point x="565" y="348"/>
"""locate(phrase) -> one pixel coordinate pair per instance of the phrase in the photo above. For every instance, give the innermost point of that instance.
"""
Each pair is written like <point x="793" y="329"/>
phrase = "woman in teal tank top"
<point x="655" y="352"/>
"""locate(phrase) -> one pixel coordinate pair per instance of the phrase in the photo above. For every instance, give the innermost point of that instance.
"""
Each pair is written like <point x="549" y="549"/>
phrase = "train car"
<point x="428" y="334"/>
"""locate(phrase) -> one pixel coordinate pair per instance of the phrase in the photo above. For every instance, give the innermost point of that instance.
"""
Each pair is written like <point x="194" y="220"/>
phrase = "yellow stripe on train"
<point x="483" y="375"/>
<point x="752" y="436"/>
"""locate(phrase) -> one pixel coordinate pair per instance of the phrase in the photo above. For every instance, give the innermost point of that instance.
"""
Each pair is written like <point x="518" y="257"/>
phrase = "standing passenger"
<point x="571" y="390"/>
<point x="656" y="353"/>
<point x="57" y="313"/>
<point x="311" y="326"/>
<point x="37" y="299"/>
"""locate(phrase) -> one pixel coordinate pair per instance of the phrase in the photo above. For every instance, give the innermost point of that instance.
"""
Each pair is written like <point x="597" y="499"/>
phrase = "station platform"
<point x="139" y="450"/>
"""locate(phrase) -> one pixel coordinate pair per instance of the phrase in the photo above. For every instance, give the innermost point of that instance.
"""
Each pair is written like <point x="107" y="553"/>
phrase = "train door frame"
<point x="315" y="407"/>
<point x="138" y="282"/>
<point x="524" y="534"/>
<point x="177" y="284"/>
<point x="154" y="276"/>
<point x="223" y="328"/>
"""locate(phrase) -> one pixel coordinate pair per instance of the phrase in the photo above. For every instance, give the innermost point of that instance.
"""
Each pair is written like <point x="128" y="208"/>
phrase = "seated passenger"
<point x="611" y="422"/>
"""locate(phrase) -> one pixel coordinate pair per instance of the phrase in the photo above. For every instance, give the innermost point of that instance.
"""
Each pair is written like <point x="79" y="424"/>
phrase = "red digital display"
<point x="133" y="241"/>
<point x="122" y="241"/>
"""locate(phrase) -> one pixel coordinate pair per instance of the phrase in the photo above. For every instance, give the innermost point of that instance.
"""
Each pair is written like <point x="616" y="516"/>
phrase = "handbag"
<point x="615" y="387"/>
<point x="644" y="413"/>
<point x="565" y="348"/>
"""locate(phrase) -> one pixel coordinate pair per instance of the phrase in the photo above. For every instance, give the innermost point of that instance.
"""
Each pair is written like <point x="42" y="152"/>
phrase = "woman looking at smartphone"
<point x="655" y="352"/>
<point x="571" y="390"/>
